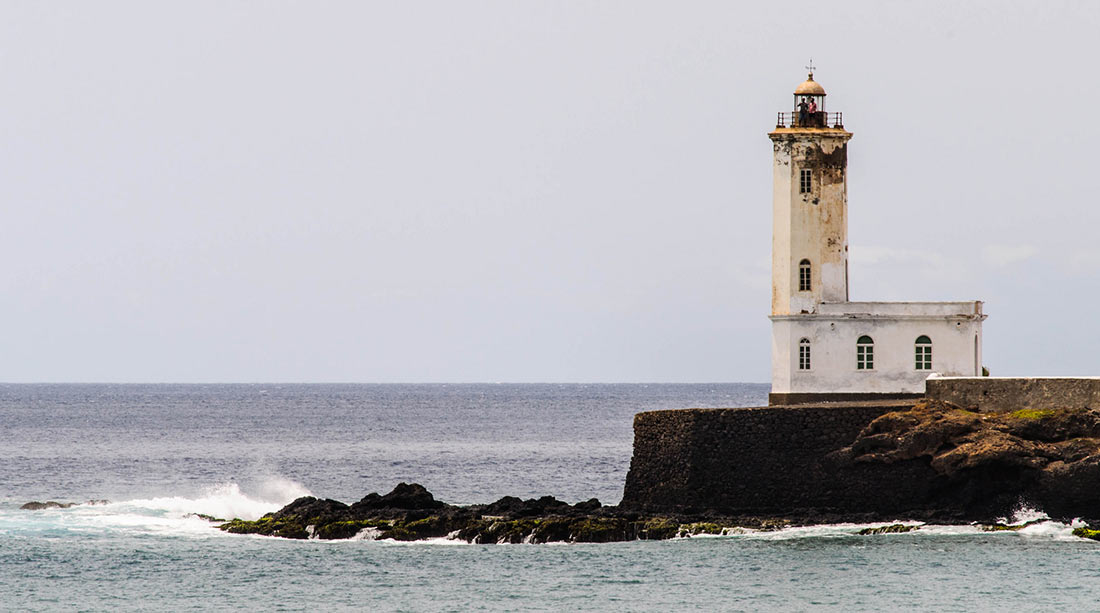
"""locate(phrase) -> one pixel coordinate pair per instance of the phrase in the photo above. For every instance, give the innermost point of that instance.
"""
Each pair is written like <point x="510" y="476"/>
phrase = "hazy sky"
<point x="522" y="191"/>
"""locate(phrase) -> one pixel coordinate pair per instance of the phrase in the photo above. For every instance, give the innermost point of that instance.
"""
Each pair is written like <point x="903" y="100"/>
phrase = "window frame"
<point x="805" y="181"/>
<point x="922" y="353"/>
<point x="805" y="276"/>
<point x="805" y="355"/>
<point x="865" y="353"/>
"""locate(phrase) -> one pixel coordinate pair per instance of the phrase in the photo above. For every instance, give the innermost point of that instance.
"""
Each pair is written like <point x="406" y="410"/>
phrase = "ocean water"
<point x="160" y="453"/>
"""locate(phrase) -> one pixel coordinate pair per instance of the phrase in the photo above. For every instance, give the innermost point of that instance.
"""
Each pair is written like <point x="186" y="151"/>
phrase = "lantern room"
<point x="809" y="108"/>
<point x="809" y="104"/>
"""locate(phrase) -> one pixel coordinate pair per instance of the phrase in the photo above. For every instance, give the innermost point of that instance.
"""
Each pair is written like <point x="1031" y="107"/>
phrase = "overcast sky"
<point x="522" y="191"/>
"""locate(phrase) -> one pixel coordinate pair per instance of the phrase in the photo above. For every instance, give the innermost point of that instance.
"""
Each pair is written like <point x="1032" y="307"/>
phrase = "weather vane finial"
<point x="811" y="67"/>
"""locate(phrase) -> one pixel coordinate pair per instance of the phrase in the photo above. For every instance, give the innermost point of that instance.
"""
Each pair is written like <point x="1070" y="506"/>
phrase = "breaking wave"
<point x="225" y="500"/>
<point x="1034" y="522"/>
<point x="162" y="514"/>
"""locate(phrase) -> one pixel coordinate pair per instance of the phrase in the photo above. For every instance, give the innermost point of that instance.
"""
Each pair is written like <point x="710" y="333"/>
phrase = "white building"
<point x="823" y="346"/>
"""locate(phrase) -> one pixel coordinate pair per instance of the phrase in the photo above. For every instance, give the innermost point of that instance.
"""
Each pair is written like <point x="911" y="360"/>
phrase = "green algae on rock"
<point x="267" y="526"/>
<point x="1087" y="533"/>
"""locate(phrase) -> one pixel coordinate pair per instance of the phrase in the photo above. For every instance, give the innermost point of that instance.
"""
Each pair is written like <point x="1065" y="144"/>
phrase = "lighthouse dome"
<point x="809" y="87"/>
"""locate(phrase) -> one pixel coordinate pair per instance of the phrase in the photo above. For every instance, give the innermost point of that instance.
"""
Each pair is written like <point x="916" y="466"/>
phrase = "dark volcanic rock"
<point x="294" y="520"/>
<point x="891" y="529"/>
<point x="411" y="513"/>
<point x="987" y="463"/>
<point x="588" y="505"/>
<point x="205" y="517"/>
<point x="308" y="507"/>
<point x="50" y="504"/>
<point x="406" y="496"/>
<point x="513" y="507"/>
<point x="505" y="506"/>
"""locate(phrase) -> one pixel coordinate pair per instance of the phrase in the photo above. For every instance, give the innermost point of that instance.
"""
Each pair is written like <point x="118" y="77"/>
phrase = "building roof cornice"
<point x="796" y="133"/>
<point x="875" y="317"/>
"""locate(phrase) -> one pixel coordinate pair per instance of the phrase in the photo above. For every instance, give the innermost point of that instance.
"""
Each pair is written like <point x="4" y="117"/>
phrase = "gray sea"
<point x="161" y="453"/>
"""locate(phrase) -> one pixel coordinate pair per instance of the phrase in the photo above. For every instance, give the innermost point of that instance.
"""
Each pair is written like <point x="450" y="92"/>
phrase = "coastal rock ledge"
<point x="411" y="513"/>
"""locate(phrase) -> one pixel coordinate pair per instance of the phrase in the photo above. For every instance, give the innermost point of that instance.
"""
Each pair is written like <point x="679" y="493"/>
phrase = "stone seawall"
<point x="996" y="394"/>
<point x="767" y="461"/>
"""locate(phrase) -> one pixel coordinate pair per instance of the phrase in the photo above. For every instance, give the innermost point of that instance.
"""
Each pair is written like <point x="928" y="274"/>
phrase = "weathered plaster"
<point x="814" y="225"/>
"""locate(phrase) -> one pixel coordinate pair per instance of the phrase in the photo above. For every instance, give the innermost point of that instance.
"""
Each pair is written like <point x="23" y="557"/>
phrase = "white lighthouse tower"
<point x="825" y="347"/>
<point x="810" y="205"/>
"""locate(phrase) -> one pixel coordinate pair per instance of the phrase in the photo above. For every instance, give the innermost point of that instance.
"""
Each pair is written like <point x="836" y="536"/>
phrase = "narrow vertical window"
<point x="805" y="182"/>
<point x="924" y="353"/>
<point x="865" y="353"/>
<point x="804" y="276"/>
<point x="804" y="354"/>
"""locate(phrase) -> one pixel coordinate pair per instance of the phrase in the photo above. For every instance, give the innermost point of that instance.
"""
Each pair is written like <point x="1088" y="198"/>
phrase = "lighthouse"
<point x="824" y="346"/>
<point x="810" y="205"/>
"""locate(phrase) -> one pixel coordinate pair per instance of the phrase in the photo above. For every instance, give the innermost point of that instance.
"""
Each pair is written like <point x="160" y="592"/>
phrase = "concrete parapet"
<point x="1002" y="394"/>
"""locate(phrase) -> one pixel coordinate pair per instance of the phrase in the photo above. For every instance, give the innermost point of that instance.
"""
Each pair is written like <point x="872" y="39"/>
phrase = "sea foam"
<point x="160" y="514"/>
<point x="225" y="500"/>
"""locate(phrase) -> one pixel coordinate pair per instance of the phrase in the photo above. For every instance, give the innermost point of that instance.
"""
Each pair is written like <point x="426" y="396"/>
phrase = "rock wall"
<point x="767" y="461"/>
<point x="996" y="394"/>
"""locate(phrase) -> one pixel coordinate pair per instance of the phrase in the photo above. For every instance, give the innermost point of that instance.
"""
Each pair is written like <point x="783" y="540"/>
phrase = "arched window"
<point x="865" y="353"/>
<point x="924" y="353"/>
<point x="804" y="354"/>
<point x="804" y="277"/>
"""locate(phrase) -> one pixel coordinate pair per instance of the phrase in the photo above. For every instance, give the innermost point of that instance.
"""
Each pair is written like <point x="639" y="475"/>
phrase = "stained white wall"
<point x="812" y="226"/>
<point x="956" y="346"/>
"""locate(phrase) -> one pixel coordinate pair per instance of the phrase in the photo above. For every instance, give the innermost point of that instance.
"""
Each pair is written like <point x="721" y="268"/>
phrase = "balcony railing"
<point x="809" y="120"/>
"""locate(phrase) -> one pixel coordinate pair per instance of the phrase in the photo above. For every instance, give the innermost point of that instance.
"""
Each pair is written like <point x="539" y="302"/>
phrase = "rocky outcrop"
<point x="35" y="505"/>
<point x="410" y="513"/>
<point x="403" y="497"/>
<point x="985" y="463"/>
<point x="890" y="529"/>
